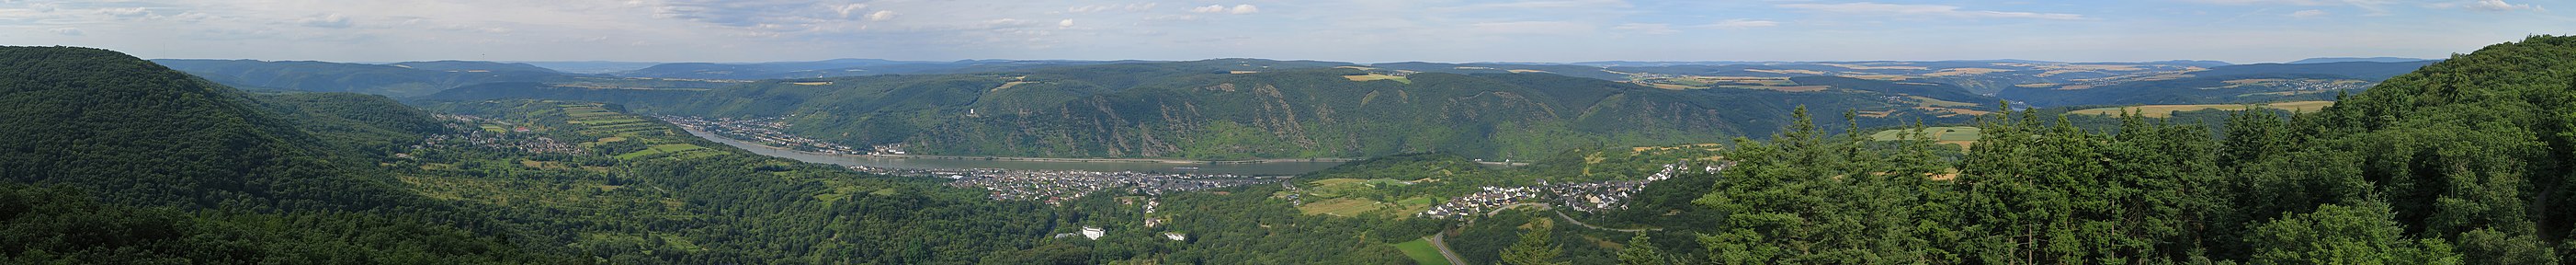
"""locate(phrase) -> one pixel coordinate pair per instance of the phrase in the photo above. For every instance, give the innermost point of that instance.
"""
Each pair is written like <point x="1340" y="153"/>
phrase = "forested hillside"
<point x="112" y="159"/>
<point x="2461" y="162"/>
<point x="346" y="77"/>
<point x="1217" y="110"/>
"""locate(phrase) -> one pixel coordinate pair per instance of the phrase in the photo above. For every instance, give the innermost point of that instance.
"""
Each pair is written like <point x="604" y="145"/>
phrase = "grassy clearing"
<point x="1336" y="188"/>
<point x="495" y="128"/>
<point x="1375" y="77"/>
<point x="812" y="83"/>
<point x="1422" y="252"/>
<point x="1346" y="207"/>
<point x="1962" y="136"/>
<point x="2161" y="111"/>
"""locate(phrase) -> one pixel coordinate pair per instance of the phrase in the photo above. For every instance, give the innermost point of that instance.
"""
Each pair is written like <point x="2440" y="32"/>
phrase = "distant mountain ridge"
<point x="2249" y="83"/>
<point x="2358" y="59"/>
<point x="473" y="66"/>
<point x="1251" y="108"/>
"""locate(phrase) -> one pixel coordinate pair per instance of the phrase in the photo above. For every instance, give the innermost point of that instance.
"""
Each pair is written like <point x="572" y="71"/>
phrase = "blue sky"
<point x="2241" y="31"/>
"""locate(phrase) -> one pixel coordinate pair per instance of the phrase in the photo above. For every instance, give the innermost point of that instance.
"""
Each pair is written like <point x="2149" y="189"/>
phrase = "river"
<point x="1262" y="168"/>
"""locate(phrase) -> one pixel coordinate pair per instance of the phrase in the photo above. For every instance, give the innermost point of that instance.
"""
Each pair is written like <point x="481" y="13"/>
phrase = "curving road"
<point x="1444" y="249"/>
<point x="1570" y="219"/>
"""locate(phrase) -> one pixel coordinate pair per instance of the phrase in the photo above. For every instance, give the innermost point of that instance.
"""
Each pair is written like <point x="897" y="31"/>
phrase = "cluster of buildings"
<point x="1592" y="197"/>
<point x="765" y="131"/>
<point x="513" y="140"/>
<point x="1054" y="186"/>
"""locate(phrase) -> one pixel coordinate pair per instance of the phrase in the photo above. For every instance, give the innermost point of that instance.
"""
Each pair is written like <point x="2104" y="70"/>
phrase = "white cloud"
<point x="1554" y="4"/>
<point x="1645" y="28"/>
<point x="1068" y="23"/>
<point x="130" y="12"/>
<point x="2376" y="7"/>
<point x="2497" y="5"/>
<point x="2311" y="13"/>
<point x="1867" y="8"/>
<point x="325" y="21"/>
<point x="1099" y="8"/>
<point x="1237" y="9"/>
<point x="1743" y="24"/>
<point x="845" y="10"/>
<point x="1530" y="27"/>
<point x="2266" y="2"/>
<point x="881" y="15"/>
<point x="66" y="31"/>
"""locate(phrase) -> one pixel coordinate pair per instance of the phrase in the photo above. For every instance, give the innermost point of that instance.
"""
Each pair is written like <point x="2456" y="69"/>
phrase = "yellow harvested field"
<point x="1008" y="85"/>
<point x="1965" y="71"/>
<point x="813" y="83"/>
<point x="1881" y="77"/>
<point x="1242" y="72"/>
<point x="2161" y="111"/>
<point x="1375" y="77"/>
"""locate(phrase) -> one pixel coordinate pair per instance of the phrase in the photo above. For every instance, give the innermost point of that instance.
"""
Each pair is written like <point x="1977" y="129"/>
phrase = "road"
<point x="1570" y="219"/>
<point x="1444" y="250"/>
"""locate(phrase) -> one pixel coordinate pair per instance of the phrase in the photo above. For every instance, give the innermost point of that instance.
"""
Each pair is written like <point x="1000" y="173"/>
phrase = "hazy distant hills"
<point x="2358" y="59"/>
<point x="2252" y="83"/>
<point x="392" y="80"/>
<point x="1254" y="108"/>
<point x="1232" y="109"/>
<point x="404" y="79"/>
<point x="473" y="66"/>
<point x="835" y="68"/>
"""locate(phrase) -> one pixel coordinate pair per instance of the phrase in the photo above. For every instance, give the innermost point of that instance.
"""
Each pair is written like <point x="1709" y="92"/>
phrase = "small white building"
<point x="1093" y="232"/>
<point x="1176" y="236"/>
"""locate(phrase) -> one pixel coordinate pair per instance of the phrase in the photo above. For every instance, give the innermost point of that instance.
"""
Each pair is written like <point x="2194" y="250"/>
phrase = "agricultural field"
<point x="2162" y="111"/>
<point x="1377" y="76"/>
<point x="1422" y="252"/>
<point x="678" y="150"/>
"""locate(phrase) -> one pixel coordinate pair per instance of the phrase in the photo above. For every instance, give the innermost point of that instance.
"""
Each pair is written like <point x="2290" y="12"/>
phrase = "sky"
<point x="2239" y="31"/>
